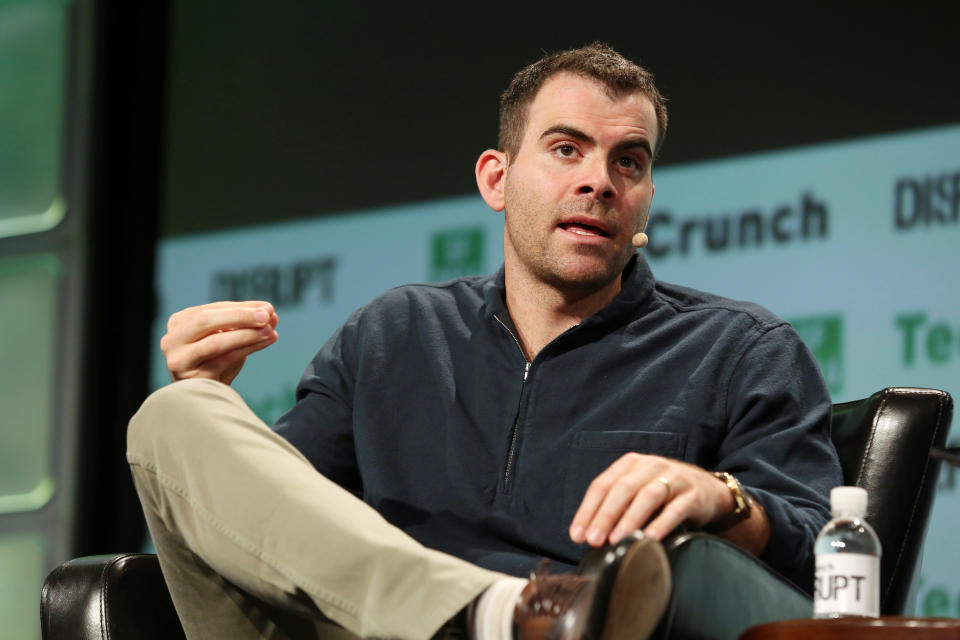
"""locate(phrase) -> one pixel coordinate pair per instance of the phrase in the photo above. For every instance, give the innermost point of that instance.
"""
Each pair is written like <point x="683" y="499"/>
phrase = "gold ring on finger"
<point x="666" y="484"/>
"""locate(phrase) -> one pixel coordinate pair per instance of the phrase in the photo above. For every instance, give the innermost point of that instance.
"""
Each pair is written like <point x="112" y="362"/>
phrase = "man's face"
<point x="580" y="185"/>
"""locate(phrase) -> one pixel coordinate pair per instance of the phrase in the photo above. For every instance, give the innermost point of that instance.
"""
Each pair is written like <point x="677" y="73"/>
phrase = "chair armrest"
<point x="120" y="597"/>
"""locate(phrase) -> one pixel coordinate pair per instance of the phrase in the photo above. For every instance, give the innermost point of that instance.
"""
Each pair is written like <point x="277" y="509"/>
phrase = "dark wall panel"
<point x="297" y="108"/>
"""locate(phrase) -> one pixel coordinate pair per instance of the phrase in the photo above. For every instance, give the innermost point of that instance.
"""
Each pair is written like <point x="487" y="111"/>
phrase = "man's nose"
<point x="596" y="179"/>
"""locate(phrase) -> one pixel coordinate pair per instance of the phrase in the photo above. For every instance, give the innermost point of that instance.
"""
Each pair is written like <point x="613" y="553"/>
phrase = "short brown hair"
<point x="597" y="61"/>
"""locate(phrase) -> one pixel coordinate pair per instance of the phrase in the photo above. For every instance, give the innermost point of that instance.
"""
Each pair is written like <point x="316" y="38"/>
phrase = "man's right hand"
<point x="213" y="340"/>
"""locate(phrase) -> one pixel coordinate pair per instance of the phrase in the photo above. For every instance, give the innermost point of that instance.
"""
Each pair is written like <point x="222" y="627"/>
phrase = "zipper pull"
<point x="526" y="370"/>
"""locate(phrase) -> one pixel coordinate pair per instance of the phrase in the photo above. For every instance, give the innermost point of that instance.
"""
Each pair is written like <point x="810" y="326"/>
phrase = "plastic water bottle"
<point x="848" y="560"/>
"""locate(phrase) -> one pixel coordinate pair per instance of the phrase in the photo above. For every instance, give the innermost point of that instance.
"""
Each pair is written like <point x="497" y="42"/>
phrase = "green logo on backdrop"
<point x="926" y="340"/>
<point x="457" y="252"/>
<point x="823" y="335"/>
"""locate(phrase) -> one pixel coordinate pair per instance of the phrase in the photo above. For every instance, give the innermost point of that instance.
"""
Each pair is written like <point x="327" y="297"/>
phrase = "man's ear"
<point x="491" y="171"/>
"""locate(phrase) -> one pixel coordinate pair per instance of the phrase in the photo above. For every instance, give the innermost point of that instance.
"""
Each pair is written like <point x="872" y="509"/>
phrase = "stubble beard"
<point x="580" y="271"/>
<point x="584" y="279"/>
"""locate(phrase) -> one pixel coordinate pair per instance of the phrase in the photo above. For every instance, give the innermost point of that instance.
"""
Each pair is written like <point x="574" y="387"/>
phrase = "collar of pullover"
<point x="635" y="295"/>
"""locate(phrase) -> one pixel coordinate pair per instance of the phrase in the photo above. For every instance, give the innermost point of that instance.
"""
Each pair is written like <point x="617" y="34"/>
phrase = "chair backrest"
<point x="884" y="444"/>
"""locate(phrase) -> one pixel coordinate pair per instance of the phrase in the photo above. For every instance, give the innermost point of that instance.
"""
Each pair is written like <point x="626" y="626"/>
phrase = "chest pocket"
<point x="593" y="451"/>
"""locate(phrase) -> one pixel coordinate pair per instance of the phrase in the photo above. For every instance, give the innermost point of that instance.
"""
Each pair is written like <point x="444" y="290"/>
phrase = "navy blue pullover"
<point x="423" y="405"/>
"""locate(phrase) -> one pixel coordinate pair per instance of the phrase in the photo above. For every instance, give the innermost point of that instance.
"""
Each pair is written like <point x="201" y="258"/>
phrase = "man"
<point x="567" y="402"/>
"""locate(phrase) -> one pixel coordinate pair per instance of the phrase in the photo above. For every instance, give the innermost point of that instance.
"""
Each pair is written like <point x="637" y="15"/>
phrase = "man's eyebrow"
<point x="569" y="131"/>
<point x="636" y="143"/>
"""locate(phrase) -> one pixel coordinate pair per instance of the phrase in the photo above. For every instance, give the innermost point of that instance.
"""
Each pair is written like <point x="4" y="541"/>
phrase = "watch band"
<point x="742" y="502"/>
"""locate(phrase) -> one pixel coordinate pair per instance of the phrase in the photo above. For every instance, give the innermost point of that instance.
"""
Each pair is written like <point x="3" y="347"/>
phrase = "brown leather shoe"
<point x="618" y="593"/>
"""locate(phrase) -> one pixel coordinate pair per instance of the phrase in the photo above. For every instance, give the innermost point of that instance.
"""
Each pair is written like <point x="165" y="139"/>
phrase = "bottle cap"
<point x="848" y="501"/>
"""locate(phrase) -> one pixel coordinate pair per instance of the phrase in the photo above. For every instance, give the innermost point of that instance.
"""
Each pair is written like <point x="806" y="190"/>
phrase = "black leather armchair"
<point x="884" y="443"/>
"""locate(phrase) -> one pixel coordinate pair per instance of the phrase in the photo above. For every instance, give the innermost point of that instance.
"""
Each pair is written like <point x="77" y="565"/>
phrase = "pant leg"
<point x="720" y="590"/>
<point x="236" y="510"/>
<point x="209" y="606"/>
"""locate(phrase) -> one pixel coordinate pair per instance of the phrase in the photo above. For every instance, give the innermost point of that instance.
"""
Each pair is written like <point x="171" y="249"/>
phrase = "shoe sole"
<point x="640" y="593"/>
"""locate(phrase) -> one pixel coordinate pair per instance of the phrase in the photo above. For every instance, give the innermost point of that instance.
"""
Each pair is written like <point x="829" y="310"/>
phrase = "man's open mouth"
<point x="583" y="229"/>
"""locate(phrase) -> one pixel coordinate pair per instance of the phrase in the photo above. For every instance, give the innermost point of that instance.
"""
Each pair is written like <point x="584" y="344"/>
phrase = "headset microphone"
<point x="640" y="240"/>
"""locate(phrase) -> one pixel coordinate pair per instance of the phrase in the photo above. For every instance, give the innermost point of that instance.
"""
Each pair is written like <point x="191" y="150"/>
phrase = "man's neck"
<point x="540" y="312"/>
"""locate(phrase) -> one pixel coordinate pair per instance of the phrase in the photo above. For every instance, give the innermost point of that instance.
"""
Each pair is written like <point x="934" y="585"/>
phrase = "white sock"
<point x="493" y="609"/>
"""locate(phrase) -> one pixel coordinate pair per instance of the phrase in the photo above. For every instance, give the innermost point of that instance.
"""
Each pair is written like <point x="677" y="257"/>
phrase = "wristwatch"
<point x="742" y="502"/>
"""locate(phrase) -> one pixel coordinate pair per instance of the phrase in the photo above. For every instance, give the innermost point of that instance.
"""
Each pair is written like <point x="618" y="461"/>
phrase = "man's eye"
<point x="631" y="165"/>
<point x="565" y="150"/>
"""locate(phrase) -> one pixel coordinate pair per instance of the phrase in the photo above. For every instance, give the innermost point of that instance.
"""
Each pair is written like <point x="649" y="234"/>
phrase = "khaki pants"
<point x="254" y="543"/>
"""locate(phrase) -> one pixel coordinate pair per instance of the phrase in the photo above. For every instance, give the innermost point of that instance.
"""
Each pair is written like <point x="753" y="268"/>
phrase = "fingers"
<point x="213" y="340"/>
<point x="619" y="501"/>
<point x="218" y="348"/>
<point x="196" y="322"/>
<point x="643" y="492"/>
<point x="674" y="513"/>
<point x="654" y="499"/>
<point x="229" y="305"/>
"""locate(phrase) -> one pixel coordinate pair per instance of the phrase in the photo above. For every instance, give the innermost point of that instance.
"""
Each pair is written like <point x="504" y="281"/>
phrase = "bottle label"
<point x="847" y="584"/>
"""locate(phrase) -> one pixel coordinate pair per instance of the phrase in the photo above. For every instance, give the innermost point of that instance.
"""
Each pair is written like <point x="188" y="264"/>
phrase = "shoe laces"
<point x="548" y="595"/>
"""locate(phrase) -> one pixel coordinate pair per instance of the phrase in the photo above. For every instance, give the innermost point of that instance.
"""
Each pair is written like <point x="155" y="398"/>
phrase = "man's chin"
<point x="586" y="278"/>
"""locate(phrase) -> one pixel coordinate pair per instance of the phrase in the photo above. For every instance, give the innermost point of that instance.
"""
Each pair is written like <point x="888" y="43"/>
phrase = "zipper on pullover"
<point x="512" y="451"/>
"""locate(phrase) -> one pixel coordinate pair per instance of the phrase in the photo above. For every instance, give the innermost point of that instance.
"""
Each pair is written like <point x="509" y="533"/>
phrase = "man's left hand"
<point x="648" y="492"/>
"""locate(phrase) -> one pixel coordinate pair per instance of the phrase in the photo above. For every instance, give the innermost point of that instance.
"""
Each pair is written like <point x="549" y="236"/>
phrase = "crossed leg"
<point x="255" y="543"/>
